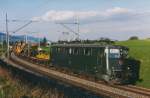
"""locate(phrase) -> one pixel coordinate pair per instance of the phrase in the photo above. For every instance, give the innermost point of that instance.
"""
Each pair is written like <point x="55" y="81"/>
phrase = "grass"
<point x="47" y="49"/>
<point x="2" y="50"/>
<point x="140" y="50"/>
<point x="24" y="85"/>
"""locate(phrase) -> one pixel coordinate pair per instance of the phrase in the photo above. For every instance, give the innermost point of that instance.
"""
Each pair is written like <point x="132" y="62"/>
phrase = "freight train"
<point x="100" y="61"/>
<point x="103" y="62"/>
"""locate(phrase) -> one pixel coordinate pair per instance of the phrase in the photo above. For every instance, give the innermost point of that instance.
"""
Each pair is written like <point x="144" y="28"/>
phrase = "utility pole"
<point x="77" y="22"/>
<point x="2" y="39"/>
<point x="25" y="38"/>
<point x="68" y="28"/>
<point x="28" y="48"/>
<point x="39" y="40"/>
<point x="27" y="42"/>
<point x="7" y="37"/>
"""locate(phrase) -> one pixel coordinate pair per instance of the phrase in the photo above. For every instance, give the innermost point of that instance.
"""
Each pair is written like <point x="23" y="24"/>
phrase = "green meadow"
<point x="140" y="50"/>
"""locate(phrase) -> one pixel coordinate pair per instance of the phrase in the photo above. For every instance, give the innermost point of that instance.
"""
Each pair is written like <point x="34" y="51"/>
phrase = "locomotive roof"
<point x="88" y="45"/>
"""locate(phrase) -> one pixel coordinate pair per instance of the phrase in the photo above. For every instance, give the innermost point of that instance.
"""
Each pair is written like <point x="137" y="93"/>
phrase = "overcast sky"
<point x="115" y="19"/>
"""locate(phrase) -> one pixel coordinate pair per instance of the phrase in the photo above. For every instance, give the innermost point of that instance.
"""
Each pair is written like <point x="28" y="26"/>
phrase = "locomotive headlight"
<point x="128" y="68"/>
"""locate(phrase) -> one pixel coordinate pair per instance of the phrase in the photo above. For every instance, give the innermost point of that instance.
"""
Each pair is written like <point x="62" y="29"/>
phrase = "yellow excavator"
<point x="42" y="55"/>
<point x="18" y="47"/>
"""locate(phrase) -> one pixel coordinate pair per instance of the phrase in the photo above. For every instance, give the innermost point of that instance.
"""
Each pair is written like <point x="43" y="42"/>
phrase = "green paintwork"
<point x="87" y="59"/>
<point x="80" y="61"/>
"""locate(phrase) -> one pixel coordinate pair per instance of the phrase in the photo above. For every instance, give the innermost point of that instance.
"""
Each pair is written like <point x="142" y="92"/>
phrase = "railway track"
<point x="132" y="88"/>
<point x="119" y="91"/>
<point x="140" y="88"/>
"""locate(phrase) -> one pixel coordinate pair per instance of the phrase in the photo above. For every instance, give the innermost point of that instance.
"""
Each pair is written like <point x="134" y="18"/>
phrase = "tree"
<point x="133" y="38"/>
<point x="44" y="41"/>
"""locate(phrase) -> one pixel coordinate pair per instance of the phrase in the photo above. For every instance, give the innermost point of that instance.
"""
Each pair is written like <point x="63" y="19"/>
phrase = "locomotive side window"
<point x="66" y="50"/>
<point x="90" y="51"/>
<point x="70" y="51"/>
<point x="87" y="51"/>
<point x="75" y="51"/>
<point x="58" y="50"/>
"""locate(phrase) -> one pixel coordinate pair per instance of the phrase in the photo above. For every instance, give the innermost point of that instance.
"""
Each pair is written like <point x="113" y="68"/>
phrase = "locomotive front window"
<point x="114" y="53"/>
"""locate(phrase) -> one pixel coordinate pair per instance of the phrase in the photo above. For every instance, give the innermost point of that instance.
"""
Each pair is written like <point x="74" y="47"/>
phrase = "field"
<point x="2" y="48"/>
<point x="140" y="50"/>
<point x="47" y="49"/>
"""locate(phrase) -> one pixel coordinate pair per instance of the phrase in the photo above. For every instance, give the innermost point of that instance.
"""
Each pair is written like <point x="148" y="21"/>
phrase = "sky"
<point x="114" y="19"/>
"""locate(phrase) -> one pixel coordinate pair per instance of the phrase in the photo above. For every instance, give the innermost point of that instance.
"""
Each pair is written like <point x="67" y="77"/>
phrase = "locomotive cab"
<point x="115" y="63"/>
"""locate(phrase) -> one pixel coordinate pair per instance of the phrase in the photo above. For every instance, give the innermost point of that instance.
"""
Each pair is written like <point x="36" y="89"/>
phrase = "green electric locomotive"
<point x="103" y="62"/>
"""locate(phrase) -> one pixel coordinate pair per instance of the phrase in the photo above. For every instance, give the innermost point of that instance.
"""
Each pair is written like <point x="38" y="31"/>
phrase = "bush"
<point x="133" y="38"/>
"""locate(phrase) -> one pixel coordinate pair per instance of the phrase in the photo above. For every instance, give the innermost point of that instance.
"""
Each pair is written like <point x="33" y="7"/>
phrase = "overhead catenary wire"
<point x="64" y="24"/>
<point x="20" y="28"/>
